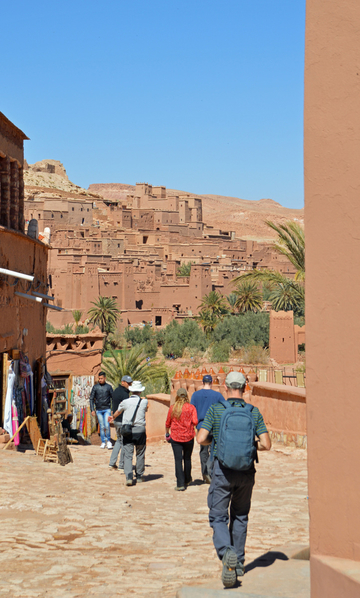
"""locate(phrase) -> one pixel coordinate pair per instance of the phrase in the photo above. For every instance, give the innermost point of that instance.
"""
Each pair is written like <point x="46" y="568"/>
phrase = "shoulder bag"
<point x="126" y="429"/>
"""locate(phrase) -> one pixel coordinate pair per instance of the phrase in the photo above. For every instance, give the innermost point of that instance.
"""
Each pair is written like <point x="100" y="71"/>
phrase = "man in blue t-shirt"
<point x="202" y="400"/>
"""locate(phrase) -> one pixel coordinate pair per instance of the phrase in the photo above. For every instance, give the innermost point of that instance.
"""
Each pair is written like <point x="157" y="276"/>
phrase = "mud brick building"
<point x="131" y="250"/>
<point x="23" y="263"/>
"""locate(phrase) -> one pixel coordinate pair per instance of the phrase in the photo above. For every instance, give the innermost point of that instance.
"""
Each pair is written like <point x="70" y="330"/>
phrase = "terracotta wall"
<point x="283" y="409"/>
<point x="158" y="408"/>
<point x="332" y="224"/>
<point x="79" y="355"/>
<point x="22" y="321"/>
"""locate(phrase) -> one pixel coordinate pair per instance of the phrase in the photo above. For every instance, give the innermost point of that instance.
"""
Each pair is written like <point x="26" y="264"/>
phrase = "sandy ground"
<point x="78" y="531"/>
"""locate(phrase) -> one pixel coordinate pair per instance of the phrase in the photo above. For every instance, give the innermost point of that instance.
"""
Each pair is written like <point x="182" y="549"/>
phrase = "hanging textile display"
<point x="80" y="401"/>
<point x="8" y="399"/>
<point x="15" y="425"/>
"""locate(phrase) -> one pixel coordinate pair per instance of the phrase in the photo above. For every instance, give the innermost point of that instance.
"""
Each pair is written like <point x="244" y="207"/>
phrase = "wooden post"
<point x="17" y="431"/>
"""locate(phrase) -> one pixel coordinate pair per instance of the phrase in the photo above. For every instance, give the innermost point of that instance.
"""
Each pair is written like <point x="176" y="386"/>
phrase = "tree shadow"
<point x="266" y="560"/>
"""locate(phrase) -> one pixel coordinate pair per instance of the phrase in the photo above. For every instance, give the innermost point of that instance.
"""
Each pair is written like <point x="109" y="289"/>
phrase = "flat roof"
<point x="14" y="129"/>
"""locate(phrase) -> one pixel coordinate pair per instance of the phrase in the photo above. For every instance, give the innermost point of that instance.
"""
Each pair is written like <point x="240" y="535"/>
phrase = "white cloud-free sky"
<point x="199" y="95"/>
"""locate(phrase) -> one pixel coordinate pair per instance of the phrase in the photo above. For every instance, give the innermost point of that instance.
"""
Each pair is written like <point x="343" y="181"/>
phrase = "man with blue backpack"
<point x="238" y="432"/>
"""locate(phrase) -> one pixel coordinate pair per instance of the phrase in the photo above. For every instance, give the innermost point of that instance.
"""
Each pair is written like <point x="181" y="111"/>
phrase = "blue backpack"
<point x="236" y="448"/>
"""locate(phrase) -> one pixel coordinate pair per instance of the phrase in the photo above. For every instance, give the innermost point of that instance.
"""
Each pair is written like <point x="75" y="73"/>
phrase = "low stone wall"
<point x="158" y="408"/>
<point x="284" y="411"/>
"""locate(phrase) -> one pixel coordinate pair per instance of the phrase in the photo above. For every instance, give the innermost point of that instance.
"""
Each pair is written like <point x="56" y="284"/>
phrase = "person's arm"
<point x="92" y="397"/>
<point x="264" y="442"/>
<point x="204" y="433"/>
<point x="168" y="422"/>
<point x="202" y="437"/>
<point x="119" y="410"/>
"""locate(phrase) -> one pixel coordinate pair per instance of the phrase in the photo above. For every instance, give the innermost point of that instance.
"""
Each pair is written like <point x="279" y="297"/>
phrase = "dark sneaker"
<point x="129" y="482"/>
<point x="139" y="480"/>
<point x="179" y="488"/>
<point x="229" y="562"/>
<point x="240" y="569"/>
<point x="112" y="467"/>
<point x="189" y="482"/>
<point x="207" y="478"/>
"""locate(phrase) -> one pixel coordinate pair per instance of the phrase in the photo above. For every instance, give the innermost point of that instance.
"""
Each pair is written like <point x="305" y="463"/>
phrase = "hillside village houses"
<point x="131" y="250"/>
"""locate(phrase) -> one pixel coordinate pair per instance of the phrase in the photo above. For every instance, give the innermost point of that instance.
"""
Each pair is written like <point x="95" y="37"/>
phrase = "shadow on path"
<point x="266" y="560"/>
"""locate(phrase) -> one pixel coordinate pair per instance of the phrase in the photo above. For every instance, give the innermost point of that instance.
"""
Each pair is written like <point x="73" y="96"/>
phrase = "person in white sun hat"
<point x="133" y="431"/>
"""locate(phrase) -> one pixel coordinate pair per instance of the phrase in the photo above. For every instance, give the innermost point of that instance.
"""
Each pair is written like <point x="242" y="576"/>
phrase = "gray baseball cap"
<point x="235" y="377"/>
<point x="127" y="379"/>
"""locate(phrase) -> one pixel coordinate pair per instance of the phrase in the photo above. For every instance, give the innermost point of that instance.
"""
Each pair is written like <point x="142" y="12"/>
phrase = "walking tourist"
<point x="238" y="431"/>
<point x="121" y="393"/>
<point x="181" y="420"/>
<point x="202" y="399"/>
<point x="100" y="401"/>
<point x="133" y="431"/>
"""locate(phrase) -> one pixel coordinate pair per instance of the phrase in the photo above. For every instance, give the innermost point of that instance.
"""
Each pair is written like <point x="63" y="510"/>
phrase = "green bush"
<point x="142" y="336"/>
<point x="220" y="351"/>
<point x="245" y="329"/>
<point x="178" y="337"/>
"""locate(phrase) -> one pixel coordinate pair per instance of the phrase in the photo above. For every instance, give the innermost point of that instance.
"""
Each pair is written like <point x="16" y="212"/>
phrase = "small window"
<point x="39" y="216"/>
<point x="72" y="209"/>
<point x="82" y="220"/>
<point x="88" y="209"/>
<point x="61" y="215"/>
<point x="52" y="215"/>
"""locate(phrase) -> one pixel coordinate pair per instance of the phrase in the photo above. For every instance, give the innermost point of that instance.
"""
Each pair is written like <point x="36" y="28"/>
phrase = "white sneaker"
<point x="109" y="445"/>
<point x="102" y="445"/>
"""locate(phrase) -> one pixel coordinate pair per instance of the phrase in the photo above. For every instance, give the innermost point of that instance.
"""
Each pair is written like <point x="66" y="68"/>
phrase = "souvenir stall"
<point x="80" y="404"/>
<point x="24" y="395"/>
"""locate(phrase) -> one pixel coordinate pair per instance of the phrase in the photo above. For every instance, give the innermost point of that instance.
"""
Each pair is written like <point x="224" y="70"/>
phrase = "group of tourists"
<point x="229" y="432"/>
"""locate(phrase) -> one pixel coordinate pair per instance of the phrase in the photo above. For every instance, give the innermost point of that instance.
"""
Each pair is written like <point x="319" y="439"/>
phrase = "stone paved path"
<point x="77" y="531"/>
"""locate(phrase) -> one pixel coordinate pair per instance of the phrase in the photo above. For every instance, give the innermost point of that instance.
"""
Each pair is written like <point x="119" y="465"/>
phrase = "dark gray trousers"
<point x="138" y="441"/>
<point x="118" y="446"/>
<point x="205" y="461"/>
<point x="230" y="489"/>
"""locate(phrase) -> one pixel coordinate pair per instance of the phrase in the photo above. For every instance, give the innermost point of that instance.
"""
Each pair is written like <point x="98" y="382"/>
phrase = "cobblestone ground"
<point x="78" y="531"/>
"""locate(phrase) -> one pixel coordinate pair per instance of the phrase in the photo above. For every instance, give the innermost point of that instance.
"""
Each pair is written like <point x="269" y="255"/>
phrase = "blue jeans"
<point x="232" y="489"/>
<point x="103" y="419"/>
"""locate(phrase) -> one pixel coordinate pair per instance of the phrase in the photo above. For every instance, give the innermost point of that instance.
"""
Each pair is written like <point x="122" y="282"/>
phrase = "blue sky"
<point x="199" y="95"/>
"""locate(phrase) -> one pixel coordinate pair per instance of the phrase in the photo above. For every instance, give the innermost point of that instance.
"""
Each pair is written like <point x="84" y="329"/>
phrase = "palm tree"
<point x="212" y="310"/>
<point x="185" y="269"/>
<point x="285" y="293"/>
<point x="104" y="314"/>
<point x="285" y="296"/>
<point x="135" y="363"/>
<point x="215" y="303"/>
<point x="231" y="299"/>
<point x="249" y="297"/>
<point x="208" y="320"/>
<point x="291" y="243"/>
<point x="77" y="316"/>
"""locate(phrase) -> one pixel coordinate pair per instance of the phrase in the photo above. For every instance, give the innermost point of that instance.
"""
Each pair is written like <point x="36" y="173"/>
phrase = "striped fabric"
<point x="211" y="422"/>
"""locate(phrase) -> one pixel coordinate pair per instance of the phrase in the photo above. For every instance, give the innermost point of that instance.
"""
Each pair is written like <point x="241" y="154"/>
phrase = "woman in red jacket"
<point x="182" y="419"/>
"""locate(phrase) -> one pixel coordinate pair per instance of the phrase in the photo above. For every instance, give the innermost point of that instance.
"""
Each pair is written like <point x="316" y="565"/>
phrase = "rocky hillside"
<point x="247" y="218"/>
<point x="50" y="174"/>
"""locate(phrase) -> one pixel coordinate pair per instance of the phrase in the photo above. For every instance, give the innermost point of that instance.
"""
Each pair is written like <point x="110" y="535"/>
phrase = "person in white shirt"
<point x="137" y="438"/>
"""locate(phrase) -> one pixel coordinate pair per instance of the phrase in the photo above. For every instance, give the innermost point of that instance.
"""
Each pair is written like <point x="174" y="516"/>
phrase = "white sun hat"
<point x="136" y="386"/>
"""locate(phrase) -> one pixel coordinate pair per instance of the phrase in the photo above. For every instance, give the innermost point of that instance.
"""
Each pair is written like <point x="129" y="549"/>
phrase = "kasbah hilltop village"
<point x="153" y="354"/>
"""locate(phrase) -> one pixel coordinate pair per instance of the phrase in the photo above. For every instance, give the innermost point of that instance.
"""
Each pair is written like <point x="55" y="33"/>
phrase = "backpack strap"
<point x="225" y="403"/>
<point x="248" y="407"/>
